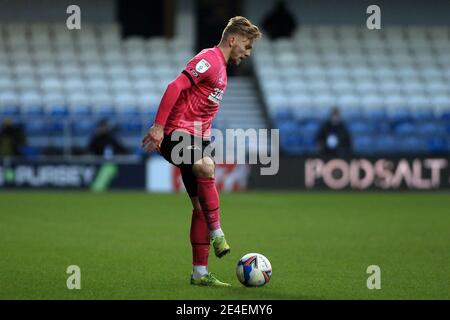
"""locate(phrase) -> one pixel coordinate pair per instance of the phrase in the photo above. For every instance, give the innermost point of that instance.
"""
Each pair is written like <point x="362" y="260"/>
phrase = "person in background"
<point x="279" y="22"/>
<point x="12" y="139"/>
<point x="333" y="137"/>
<point x="104" y="142"/>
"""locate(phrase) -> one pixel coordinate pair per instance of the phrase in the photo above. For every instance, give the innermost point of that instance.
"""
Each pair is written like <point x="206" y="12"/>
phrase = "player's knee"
<point x="204" y="168"/>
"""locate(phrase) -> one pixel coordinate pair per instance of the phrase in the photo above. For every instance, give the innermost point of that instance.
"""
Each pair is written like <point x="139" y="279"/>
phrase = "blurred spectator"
<point x="12" y="139"/>
<point x="279" y="22"/>
<point x="333" y="137"/>
<point x="104" y="142"/>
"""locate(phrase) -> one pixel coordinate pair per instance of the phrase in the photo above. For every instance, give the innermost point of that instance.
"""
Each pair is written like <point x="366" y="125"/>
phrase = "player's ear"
<point x="231" y="41"/>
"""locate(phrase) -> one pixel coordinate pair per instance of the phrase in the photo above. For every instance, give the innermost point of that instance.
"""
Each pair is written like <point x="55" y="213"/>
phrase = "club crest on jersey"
<point x="202" y="66"/>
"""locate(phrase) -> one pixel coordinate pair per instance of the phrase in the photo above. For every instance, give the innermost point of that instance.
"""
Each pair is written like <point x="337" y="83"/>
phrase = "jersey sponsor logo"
<point x="202" y="66"/>
<point x="194" y="73"/>
<point x="216" y="96"/>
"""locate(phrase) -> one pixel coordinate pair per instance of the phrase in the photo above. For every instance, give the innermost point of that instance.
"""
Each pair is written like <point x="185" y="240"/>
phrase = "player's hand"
<point x="153" y="138"/>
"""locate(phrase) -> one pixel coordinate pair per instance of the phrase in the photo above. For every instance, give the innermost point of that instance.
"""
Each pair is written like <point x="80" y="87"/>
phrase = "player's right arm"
<point x="152" y="140"/>
<point x="197" y="70"/>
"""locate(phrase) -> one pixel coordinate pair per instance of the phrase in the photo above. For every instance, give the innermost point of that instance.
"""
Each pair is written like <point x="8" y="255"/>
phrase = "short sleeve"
<point x="199" y="68"/>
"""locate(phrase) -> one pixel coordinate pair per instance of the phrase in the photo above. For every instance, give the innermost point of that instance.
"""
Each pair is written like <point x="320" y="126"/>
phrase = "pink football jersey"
<point x="199" y="104"/>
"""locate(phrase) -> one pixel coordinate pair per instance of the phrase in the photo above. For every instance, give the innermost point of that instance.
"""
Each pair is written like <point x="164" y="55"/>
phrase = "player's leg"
<point x="203" y="169"/>
<point x="199" y="235"/>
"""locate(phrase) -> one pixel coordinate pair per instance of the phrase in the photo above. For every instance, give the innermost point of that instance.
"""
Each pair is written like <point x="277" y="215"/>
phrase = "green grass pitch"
<point x="136" y="245"/>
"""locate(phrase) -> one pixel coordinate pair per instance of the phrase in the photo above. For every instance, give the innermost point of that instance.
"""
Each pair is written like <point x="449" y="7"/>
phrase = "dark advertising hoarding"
<point x="83" y="175"/>
<point x="384" y="173"/>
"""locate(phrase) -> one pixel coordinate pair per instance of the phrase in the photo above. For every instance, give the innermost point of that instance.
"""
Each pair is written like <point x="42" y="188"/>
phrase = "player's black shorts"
<point x="194" y="149"/>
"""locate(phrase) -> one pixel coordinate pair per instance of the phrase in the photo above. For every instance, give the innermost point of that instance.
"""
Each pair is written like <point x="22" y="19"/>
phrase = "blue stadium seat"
<point x="79" y="111"/>
<point x="36" y="127"/>
<point x="9" y="111"/>
<point x="405" y="128"/>
<point x="385" y="143"/>
<point x="303" y="113"/>
<point x="8" y="102"/>
<point x="412" y="144"/>
<point x="148" y="114"/>
<point x="131" y="127"/>
<point x="430" y="128"/>
<point x="131" y="142"/>
<point x="445" y="115"/>
<point x="38" y="142"/>
<point x="447" y="128"/>
<point x="376" y="114"/>
<point x="130" y="111"/>
<point x="383" y="127"/>
<point x="59" y="111"/>
<point x="292" y="145"/>
<point x="56" y="128"/>
<point x="364" y="144"/>
<point x="287" y="127"/>
<point x="361" y="127"/>
<point x="81" y="141"/>
<point x="138" y="151"/>
<point x="283" y="115"/>
<point x="309" y="143"/>
<point x="438" y="144"/>
<point x="310" y="128"/>
<point x="321" y="114"/>
<point x="351" y="114"/>
<point x="29" y="151"/>
<point x="103" y="112"/>
<point x="290" y="138"/>
<point x="423" y="114"/>
<point x="58" y="141"/>
<point x="32" y="111"/>
<point x="83" y="127"/>
<point x="400" y="115"/>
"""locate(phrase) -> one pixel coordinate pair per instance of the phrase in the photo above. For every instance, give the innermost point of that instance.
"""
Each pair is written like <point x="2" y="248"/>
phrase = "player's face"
<point x="241" y="50"/>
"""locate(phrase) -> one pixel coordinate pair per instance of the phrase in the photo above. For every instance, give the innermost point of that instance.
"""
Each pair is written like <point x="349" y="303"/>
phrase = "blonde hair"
<point x="241" y="26"/>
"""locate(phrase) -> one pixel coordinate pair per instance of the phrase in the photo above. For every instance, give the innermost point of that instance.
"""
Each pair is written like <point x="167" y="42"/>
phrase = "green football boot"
<point x="209" y="280"/>
<point x="220" y="245"/>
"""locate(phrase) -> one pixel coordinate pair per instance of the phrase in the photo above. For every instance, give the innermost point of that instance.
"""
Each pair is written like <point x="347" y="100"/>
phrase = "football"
<point x="254" y="270"/>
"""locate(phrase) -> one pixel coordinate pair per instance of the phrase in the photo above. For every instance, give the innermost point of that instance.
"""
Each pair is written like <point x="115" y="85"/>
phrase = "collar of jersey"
<point x="220" y="53"/>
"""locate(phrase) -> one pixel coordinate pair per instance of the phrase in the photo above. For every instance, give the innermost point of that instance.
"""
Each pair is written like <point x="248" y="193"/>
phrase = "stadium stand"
<point x="60" y="83"/>
<point x="393" y="86"/>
